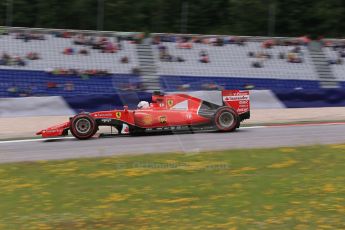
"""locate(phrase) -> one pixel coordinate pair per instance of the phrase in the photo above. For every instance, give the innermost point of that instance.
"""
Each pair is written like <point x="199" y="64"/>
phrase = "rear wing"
<point x="238" y="100"/>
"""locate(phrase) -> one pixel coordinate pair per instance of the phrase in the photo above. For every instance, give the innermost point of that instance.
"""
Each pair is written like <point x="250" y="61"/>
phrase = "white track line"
<point x="34" y="140"/>
<point x="254" y="127"/>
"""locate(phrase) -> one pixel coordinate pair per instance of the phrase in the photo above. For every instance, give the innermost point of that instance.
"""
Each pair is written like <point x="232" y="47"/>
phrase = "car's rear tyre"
<point x="83" y="126"/>
<point x="226" y="119"/>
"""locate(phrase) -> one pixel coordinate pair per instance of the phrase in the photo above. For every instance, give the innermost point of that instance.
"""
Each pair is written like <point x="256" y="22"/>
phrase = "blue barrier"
<point x="35" y="83"/>
<point x="290" y="99"/>
<point x="100" y="93"/>
<point x="173" y="82"/>
<point x="93" y="103"/>
<point x="312" y="98"/>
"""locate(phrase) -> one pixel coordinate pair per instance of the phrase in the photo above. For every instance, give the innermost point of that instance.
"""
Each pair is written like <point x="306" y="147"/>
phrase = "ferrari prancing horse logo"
<point x="170" y="102"/>
<point x="118" y="115"/>
<point x="163" y="119"/>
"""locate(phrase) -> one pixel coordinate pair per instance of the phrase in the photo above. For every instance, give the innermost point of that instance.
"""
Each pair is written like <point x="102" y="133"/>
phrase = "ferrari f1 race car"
<point x="206" y="110"/>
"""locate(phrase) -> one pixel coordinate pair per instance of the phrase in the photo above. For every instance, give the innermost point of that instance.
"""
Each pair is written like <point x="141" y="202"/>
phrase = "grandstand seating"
<point x="230" y="67"/>
<point x="338" y="69"/>
<point x="233" y="61"/>
<point x="51" y="52"/>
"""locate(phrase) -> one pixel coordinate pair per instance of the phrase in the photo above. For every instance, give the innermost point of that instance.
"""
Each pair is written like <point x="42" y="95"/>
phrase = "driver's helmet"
<point x="143" y="105"/>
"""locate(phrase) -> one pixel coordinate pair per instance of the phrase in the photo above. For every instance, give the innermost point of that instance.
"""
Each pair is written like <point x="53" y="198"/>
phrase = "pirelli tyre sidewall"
<point x="226" y="119"/>
<point x="83" y="126"/>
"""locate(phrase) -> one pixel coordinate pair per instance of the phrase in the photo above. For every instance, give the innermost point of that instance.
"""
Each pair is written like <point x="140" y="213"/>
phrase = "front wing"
<point x="55" y="131"/>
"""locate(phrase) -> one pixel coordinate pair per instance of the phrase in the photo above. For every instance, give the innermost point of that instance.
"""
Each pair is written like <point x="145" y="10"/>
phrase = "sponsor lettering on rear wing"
<point x="237" y="99"/>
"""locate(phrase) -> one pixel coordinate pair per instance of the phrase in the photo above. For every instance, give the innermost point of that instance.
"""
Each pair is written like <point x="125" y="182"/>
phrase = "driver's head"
<point x="143" y="105"/>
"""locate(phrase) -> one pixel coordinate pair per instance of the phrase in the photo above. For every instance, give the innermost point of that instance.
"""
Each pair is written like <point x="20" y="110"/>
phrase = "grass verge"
<point x="282" y="188"/>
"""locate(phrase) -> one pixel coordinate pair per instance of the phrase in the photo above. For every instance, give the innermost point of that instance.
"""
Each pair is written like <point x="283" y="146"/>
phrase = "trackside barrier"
<point x="69" y="105"/>
<point x="59" y="106"/>
<point x="92" y="103"/>
<point x="260" y="99"/>
<point x="312" y="98"/>
<point x="264" y="99"/>
<point x="34" y="106"/>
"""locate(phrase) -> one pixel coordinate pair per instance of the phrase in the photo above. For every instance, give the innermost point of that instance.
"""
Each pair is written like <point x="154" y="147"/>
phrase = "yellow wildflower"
<point x="178" y="200"/>
<point x="283" y="164"/>
<point x="329" y="188"/>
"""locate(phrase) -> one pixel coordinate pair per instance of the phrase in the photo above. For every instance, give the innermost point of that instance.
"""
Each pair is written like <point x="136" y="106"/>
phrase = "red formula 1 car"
<point x="217" y="110"/>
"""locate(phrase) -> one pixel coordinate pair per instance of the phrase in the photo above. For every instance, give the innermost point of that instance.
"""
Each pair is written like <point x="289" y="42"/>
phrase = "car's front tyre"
<point x="83" y="126"/>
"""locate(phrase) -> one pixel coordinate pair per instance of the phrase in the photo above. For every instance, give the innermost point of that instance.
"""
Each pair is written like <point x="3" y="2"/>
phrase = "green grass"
<point x="285" y="188"/>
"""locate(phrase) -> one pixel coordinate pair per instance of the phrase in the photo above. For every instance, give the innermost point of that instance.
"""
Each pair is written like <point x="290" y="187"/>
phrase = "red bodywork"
<point x="165" y="111"/>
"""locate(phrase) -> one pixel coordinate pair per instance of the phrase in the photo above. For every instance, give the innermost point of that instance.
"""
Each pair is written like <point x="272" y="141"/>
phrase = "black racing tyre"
<point x="238" y="124"/>
<point x="226" y="119"/>
<point x="83" y="126"/>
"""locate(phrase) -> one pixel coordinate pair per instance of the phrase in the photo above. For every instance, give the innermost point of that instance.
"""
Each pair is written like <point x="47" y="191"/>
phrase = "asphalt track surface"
<point x="244" y="138"/>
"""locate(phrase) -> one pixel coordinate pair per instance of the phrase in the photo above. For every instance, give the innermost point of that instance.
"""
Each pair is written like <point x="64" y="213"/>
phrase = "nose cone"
<point x="40" y="132"/>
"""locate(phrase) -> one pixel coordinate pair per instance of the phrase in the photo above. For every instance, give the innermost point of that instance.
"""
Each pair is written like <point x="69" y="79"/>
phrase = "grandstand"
<point x="51" y="54"/>
<point x="233" y="61"/>
<point x="335" y="57"/>
<point x="57" y="62"/>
